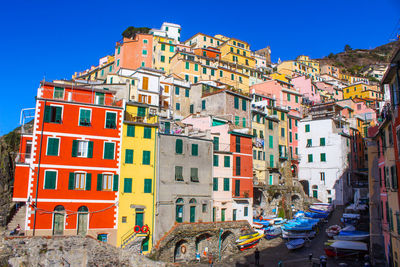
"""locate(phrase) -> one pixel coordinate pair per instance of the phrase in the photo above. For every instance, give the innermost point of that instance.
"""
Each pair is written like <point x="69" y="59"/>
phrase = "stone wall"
<point x="67" y="251"/>
<point x="182" y="242"/>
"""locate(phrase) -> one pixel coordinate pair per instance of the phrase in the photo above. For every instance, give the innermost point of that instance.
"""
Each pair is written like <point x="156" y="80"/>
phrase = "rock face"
<point x="67" y="251"/>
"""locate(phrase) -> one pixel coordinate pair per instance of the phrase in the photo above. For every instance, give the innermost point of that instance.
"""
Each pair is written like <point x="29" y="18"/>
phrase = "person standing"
<point x="257" y="257"/>
<point x="210" y="259"/>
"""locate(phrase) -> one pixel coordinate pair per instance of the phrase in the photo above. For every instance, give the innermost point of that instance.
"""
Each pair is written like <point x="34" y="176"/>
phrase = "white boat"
<point x="333" y="230"/>
<point x="352" y="236"/>
<point x="298" y="234"/>
<point x="351" y="245"/>
<point x="351" y="216"/>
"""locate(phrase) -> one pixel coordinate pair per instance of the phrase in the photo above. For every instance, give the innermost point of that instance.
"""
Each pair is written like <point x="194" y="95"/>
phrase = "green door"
<point x="234" y="215"/>
<point x="82" y="223"/>
<point x="179" y="213"/>
<point x="139" y="219"/>
<point x="58" y="224"/>
<point x="192" y="213"/>
<point x="315" y="193"/>
<point x="223" y="215"/>
<point x="214" y="214"/>
<point x="271" y="181"/>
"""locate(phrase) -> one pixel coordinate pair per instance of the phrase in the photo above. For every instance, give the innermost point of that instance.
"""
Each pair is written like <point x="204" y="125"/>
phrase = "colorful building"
<point x="163" y="50"/>
<point x="364" y="91"/>
<point x="72" y="177"/>
<point x="138" y="177"/>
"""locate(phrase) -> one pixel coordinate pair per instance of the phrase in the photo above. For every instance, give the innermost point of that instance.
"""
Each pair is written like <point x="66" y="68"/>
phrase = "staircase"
<point x="132" y="240"/>
<point x="18" y="218"/>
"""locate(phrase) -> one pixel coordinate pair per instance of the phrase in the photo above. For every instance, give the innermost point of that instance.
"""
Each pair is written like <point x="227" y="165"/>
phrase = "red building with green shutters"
<point x="67" y="171"/>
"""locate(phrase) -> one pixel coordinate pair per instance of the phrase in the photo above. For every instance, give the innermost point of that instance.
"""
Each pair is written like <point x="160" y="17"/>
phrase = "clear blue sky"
<point x="53" y="39"/>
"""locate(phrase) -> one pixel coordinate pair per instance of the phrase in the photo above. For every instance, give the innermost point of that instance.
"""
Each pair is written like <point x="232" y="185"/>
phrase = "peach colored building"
<point x="306" y="87"/>
<point x="133" y="53"/>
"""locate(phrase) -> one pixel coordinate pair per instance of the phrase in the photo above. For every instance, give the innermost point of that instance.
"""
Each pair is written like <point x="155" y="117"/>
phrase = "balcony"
<point x="283" y="155"/>
<point x="23" y="158"/>
<point x="135" y="118"/>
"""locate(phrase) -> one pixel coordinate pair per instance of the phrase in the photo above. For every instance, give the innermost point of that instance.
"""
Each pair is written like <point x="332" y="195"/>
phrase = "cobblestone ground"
<point x="274" y="251"/>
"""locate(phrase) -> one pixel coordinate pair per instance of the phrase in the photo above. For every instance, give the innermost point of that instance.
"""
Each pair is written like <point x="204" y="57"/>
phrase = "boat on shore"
<point x="247" y="236"/>
<point x="295" y="243"/>
<point x="297" y="234"/>
<point x="273" y="232"/>
<point x="352" y="235"/>
<point x="340" y="248"/>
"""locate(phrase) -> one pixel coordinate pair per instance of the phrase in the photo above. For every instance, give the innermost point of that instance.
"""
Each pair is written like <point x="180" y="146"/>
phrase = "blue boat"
<point x="316" y="215"/>
<point x="295" y="244"/>
<point x="272" y="232"/>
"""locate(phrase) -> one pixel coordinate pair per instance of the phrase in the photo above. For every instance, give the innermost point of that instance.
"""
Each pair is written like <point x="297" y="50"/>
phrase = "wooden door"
<point x="58" y="224"/>
<point x="82" y="223"/>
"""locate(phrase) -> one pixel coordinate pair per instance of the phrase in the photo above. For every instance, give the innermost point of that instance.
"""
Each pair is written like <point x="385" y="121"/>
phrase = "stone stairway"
<point x="18" y="218"/>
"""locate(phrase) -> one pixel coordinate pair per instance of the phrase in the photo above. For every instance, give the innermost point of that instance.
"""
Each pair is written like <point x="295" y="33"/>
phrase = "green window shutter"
<point x="237" y="165"/>
<point x="288" y="97"/>
<point x="212" y="72"/>
<point x="270" y="125"/>
<point x="237" y="188"/>
<point x="50" y="180"/>
<point x="237" y="139"/>
<point x="109" y="150"/>
<point x="75" y="144"/>
<point x="47" y="114"/>
<point x="128" y="185"/>
<point x="323" y="157"/>
<point x="171" y="48"/>
<point x="90" y="149"/>
<point x="58" y="114"/>
<point x="195" y="149"/>
<point x="290" y="137"/>
<point x="191" y="109"/>
<point x="307" y="128"/>
<point x="271" y="161"/>
<point x="179" y="146"/>
<point x="271" y="141"/>
<point x="130" y="130"/>
<point x="226" y="184"/>
<point x="309" y="142"/>
<point x="236" y="120"/>
<point x="71" y="181"/>
<point x="187" y="65"/>
<point x="196" y="67"/>
<point x="176" y="90"/>
<point x="111" y="119"/>
<point x="128" y="156"/>
<point x="88" y="185"/>
<point x="84" y="117"/>
<point x="203" y="104"/>
<point x="187" y="92"/>
<point x="282" y="116"/>
<point x="244" y="122"/>
<point x="227" y="161"/>
<point x="244" y="104"/>
<point x="115" y="182"/>
<point x="215" y="184"/>
<point x="52" y="149"/>
<point x="246" y="211"/>
<point x="221" y="73"/>
<point x="147" y="185"/>
<point x="204" y="70"/>
<point x="162" y="58"/>
<point x="310" y="158"/>
<point x="216" y="143"/>
<point x="322" y="141"/>
<point x="297" y="98"/>
<point x="99" y="182"/>
<point x="146" y="157"/>
<point x="162" y="47"/>
<point x="141" y="111"/>
<point x="147" y="133"/>
<point x="215" y="160"/>
<point x="236" y="102"/>
<point x="290" y="123"/>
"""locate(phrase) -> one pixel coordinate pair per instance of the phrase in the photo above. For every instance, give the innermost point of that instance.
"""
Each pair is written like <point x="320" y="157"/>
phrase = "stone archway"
<point x="295" y="198"/>
<point x="202" y="242"/>
<point x="180" y="251"/>
<point x="228" y="242"/>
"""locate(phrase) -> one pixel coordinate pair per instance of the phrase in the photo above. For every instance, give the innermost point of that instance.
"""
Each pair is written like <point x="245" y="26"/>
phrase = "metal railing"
<point x="23" y="158"/>
<point x="143" y="119"/>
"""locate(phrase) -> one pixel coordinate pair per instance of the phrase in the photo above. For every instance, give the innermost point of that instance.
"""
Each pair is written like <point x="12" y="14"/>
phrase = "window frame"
<point x="104" y="149"/>
<point x="44" y="179"/>
<point x="90" y="117"/>
<point x="58" y="147"/>
<point x="116" y="119"/>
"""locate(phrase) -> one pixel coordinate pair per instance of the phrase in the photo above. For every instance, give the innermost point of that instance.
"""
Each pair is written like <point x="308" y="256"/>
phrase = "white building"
<point x="169" y="30"/>
<point x="324" y="149"/>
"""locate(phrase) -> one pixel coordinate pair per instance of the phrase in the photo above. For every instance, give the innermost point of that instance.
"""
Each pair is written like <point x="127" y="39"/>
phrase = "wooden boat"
<point x="272" y="232"/>
<point x="333" y="230"/>
<point x="346" y="249"/>
<point x="249" y="245"/>
<point x="352" y="235"/>
<point x="250" y="240"/>
<point x="247" y="236"/>
<point x="295" y="244"/>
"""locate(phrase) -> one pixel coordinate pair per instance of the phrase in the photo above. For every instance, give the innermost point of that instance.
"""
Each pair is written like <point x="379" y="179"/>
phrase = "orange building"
<point x="209" y="52"/>
<point x="133" y="53"/>
<point x="74" y="149"/>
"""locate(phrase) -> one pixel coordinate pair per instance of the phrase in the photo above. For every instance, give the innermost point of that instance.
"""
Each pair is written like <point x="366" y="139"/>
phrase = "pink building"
<point x="306" y="87"/>
<point x="293" y="120"/>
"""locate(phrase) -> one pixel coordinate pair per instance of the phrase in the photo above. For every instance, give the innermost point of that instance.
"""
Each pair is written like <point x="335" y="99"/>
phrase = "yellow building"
<point x="281" y="115"/>
<point x="259" y="142"/>
<point x="163" y="51"/>
<point x="302" y="66"/>
<point x="362" y="90"/>
<point x="279" y="77"/>
<point x="201" y="40"/>
<point x="138" y="177"/>
<point x="236" y="51"/>
<point x="309" y="62"/>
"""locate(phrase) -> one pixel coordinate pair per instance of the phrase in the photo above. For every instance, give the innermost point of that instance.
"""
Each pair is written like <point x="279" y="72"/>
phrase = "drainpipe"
<point x="154" y="186"/>
<point x="38" y="172"/>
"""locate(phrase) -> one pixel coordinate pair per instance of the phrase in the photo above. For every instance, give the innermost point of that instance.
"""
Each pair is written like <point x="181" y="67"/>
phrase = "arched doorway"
<point x="202" y="241"/>
<point x="83" y="222"/>
<point x="192" y="204"/>
<point x="179" y="210"/>
<point x="180" y="251"/>
<point x="58" y="220"/>
<point x="227" y="242"/>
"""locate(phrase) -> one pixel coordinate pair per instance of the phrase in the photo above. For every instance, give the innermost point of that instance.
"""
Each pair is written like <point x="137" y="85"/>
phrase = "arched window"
<point x="58" y="220"/>
<point x="179" y="210"/>
<point x="315" y="187"/>
<point x="59" y="208"/>
<point x="83" y="209"/>
<point x="192" y="217"/>
<point x="193" y="201"/>
<point x="83" y="221"/>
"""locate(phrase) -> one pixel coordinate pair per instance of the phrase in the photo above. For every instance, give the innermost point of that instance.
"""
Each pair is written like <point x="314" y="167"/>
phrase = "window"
<point x="221" y="73"/>
<point x="323" y="157"/>
<point x="322" y="177"/>
<point x="50" y="179"/>
<point x="178" y="173"/>
<point x="246" y="211"/>
<point x="232" y="77"/>
<point x="107" y="182"/>
<point x="322" y="141"/>
<point x="212" y="72"/>
<point x="58" y="93"/>
<point x="254" y="154"/>
<point x="204" y="70"/>
<point x="176" y="90"/>
<point x="123" y="219"/>
<point x="227" y="161"/>
<point x="288" y="97"/>
<point x="310" y="158"/>
<point x="162" y="58"/>
<point x="162" y="47"/>
<point x="244" y="122"/>
<point x="290" y="137"/>
<point x="309" y="142"/>
<point x="147" y="133"/>
<point x="207" y="62"/>
<point x="307" y="128"/>
<point x="191" y="109"/>
<point x="82" y="148"/>
<point x="237" y="188"/>
<point x="145" y="83"/>
<point x="226" y="184"/>
<point x="111" y="119"/>
<point x="236" y="102"/>
<point x="141" y="111"/>
<point x="166" y="89"/>
<point x="144" y="52"/>
<point x="195" y="149"/>
<point x="237" y="139"/>
<point x="271" y="141"/>
<point x="130" y="130"/>
<point x="216" y="143"/>
<point x="236" y="120"/>
<point x="84" y="117"/>
<point x="52" y="114"/>
<point x="296" y="136"/>
<point x="203" y="105"/>
<point x="147" y="185"/>
<point x="187" y="65"/>
<point x="297" y="98"/>
<point x="270" y="125"/>
<point x="194" y="176"/>
<point x="282" y="116"/>
<point x="108" y="150"/>
<point x="128" y="156"/>
<point x="283" y="132"/>
<point x="77" y="181"/>
<point x="271" y="161"/>
<point x="215" y="184"/>
<point x="128" y="185"/>
<point x="187" y="92"/>
<point x="118" y="63"/>
<point x="145" y="41"/>
<point x="204" y="208"/>
<point x="146" y="157"/>
<point x="215" y="160"/>
<point x="244" y="104"/>
<point x="52" y="146"/>
<point x="178" y="146"/>
<point x="237" y="166"/>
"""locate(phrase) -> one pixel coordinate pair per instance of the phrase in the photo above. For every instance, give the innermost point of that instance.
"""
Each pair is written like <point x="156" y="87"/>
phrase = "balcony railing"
<point x="150" y="119"/>
<point x="23" y="158"/>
